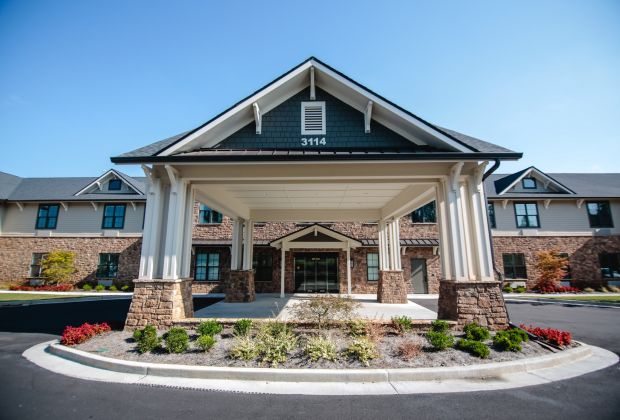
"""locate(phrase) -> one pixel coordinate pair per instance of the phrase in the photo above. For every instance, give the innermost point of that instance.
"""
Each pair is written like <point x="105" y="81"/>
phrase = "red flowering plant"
<point x="53" y="288"/>
<point x="76" y="335"/>
<point x="551" y="335"/>
<point x="559" y="289"/>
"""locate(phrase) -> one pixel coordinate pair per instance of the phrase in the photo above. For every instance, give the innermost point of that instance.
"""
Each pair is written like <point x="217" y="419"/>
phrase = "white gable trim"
<point x="298" y="79"/>
<point x="547" y="180"/>
<point x="314" y="229"/>
<point x="99" y="181"/>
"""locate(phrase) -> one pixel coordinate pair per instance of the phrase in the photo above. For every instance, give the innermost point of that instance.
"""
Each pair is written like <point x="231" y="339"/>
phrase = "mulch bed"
<point x="120" y="345"/>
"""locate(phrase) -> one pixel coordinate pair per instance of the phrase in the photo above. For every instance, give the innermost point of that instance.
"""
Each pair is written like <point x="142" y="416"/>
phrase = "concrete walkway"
<point x="273" y="306"/>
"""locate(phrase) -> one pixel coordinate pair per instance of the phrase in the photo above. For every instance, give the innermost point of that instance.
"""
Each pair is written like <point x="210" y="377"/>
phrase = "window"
<point x="568" y="274"/>
<point x="47" y="216"/>
<point x="208" y="216"/>
<point x="313" y="118"/>
<point x="527" y="215"/>
<point x="514" y="266"/>
<point x="372" y="261"/>
<point x="108" y="266"/>
<point x="425" y="214"/>
<point x="35" y="264"/>
<point x="610" y="265"/>
<point x="491" y="211"/>
<point x="113" y="216"/>
<point x="599" y="214"/>
<point x="529" y="183"/>
<point x="114" y="185"/>
<point x="263" y="262"/>
<point x="207" y="266"/>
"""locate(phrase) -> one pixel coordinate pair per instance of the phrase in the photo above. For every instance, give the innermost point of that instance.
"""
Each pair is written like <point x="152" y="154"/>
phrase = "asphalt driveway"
<point x="29" y="392"/>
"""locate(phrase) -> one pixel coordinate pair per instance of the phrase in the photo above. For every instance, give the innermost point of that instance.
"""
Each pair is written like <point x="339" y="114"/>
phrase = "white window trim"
<point x="304" y="105"/>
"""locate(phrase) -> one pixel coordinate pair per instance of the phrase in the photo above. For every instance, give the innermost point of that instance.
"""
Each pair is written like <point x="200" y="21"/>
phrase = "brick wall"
<point x="583" y="252"/>
<point x="16" y="254"/>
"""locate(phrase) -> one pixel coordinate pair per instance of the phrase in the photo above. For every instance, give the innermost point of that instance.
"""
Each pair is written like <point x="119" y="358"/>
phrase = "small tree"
<point x="322" y="309"/>
<point x="552" y="268"/>
<point x="58" y="266"/>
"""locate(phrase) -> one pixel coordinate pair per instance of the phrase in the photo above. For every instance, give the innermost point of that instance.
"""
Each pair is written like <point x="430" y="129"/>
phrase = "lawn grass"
<point x="5" y="297"/>
<point x="586" y="298"/>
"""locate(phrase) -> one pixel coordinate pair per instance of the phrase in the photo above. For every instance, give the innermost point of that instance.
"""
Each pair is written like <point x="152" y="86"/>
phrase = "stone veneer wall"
<point x="16" y="254"/>
<point x="466" y="302"/>
<point x="159" y="303"/>
<point x="583" y="252"/>
<point x="392" y="287"/>
<point x="239" y="287"/>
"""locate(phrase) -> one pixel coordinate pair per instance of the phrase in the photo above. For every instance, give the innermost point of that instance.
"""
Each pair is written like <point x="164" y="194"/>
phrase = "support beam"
<point x="312" y="89"/>
<point x="348" y="270"/>
<point x="151" y="237"/>
<point x="236" y="253"/>
<point x="248" y="244"/>
<point x="174" y="226"/>
<point x="383" y="254"/>
<point x="282" y="271"/>
<point x="318" y="215"/>
<point x="222" y="201"/>
<point x="367" y="116"/>
<point x="186" y="244"/>
<point x="411" y="198"/>
<point x="258" y="120"/>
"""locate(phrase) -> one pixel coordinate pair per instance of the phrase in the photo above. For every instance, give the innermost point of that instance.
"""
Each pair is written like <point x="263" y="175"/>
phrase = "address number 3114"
<point x="313" y="141"/>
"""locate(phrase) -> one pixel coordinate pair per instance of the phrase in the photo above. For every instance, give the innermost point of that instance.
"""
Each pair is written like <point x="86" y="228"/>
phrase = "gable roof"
<point x="503" y="185"/>
<point x="190" y="145"/>
<point x="8" y="183"/>
<point x="317" y="229"/>
<point x="581" y="185"/>
<point x="112" y="174"/>
<point x="64" y="189"/>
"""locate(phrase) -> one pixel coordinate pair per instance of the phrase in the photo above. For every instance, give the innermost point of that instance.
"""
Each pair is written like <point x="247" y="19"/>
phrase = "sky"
<point x="81" y="81"/>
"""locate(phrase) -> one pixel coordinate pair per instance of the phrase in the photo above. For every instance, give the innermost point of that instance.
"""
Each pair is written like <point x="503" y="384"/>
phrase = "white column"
<point x="186" y="261"/>
<point x="382" y="246"/>
<point x="237" y="245"/>
<point x="152" y="227"/>
<point x="248" y="244"/>
<point x="396" y="244"/>
<point x="282" y="270"/>
<point x="465" y="201"/>
<point x="445" y="247"/>
<point x="348" y="269"/>
<point x="174" y="228"/>
<point x="481" y="239"/>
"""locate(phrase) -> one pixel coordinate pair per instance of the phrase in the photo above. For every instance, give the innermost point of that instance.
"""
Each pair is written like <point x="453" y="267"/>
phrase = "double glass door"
<point x="316" y="273"/>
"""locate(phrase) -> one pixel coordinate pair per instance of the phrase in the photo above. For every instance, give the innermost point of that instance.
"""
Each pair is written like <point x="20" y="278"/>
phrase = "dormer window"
<point x="114" y="185"/>
<point x="313" y="118"/>
<point x="529" y="183"/>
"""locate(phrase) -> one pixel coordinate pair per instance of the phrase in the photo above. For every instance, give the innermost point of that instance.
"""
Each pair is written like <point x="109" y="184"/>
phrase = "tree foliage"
<point x="551" y="267"/>
<point x="58" y="266"/>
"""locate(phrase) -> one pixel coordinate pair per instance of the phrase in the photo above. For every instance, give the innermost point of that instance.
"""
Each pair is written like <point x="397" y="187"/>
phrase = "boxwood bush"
<point x="177" y="340"/>
<point x="510" y="340"/>
<point x="475" y="332"/>
<point x="474" y="347"/>
<point x="242" y="327"/>
<point x="205" y="342"/>
<point x="439" y="340"/>
<point x="147" y="339"/>
<point x="210" y="327"/>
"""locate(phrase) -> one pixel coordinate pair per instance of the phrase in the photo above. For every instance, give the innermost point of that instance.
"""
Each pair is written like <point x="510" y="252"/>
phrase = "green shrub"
<point x="439" y="340"/>
<point x="147" y="339"/>
<point x="320" y="348"/>
<point x="510" y="340"/>
<point x="476" y="348"/>
<point x="125" y="288"/>
<point x="520" y="289"/>
<point x="357" y="327"/>
<point x="87" y="287"/>
<point x="113" y="288"/>
<point x="402" y="324"/>
<point x="177" y="340"/>
<point x="507" y="289"/>
<point x="588" y="290"/>
<point x="244" y="348"/>
<point x="210" y="327"/>
<point x="363" y="350"/>
<point x="275" y="340"/>
<point x="99" y="287"/>
<point x="440" y="326"/>
<point x="475" y="332"/>
<point x="242" y="327"/>
<point x="205" y="342"/>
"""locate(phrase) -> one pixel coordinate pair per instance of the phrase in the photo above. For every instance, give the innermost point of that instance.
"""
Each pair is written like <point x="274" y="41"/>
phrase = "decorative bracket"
<point x="367" y="116"/>
<point x="258" y="119"/>
<point x="479" y="173"/>
<point x="20" y="205"/>
<point x="546" y="203"/>
<point x="312" y="90"/>
<point x="455" y="175"/>
<point x="64" y="205"/>
<point x="580" y="203"/>
<point x="95" y="205"/>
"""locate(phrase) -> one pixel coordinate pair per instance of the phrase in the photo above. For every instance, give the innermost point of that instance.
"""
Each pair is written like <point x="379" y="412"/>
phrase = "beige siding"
<point x="560" y="216"/>
<point x="80" y="218"/>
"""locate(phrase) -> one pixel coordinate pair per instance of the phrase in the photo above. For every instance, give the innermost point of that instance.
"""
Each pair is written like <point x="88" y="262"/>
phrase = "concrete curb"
<point x="321" y="375"/>
<point x="493" y="376"/>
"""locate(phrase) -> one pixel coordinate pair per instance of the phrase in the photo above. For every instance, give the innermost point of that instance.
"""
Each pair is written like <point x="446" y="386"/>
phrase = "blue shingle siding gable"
<point x="281" y="129"/>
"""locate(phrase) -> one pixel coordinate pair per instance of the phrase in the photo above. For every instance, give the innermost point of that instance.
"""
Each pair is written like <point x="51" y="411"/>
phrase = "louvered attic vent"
<point x="313" y="118"/>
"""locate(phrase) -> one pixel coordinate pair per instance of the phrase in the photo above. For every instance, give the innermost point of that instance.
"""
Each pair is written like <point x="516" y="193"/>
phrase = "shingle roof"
<point x="479" y="145"/>
<point x="8" y="183"/>
<point x="585" y="185"/>
<point x="64" y="189"/>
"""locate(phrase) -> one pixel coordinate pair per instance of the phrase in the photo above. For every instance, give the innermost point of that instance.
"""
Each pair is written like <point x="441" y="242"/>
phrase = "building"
<point x="313" y="183"/>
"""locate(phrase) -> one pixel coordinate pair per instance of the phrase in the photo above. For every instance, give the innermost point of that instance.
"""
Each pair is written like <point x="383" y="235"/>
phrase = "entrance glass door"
<point x="316" y="273"/>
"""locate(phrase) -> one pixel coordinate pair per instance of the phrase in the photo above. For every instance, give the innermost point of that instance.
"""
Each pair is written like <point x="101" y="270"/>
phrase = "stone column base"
<point x="159" y="303"/>
<point x="469" y="301"/>
<point x="240" y="286"/>
<point x="392" y="287"/>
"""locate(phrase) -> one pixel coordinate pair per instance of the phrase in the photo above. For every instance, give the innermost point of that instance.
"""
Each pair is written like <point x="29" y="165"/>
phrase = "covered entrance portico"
<point x="314" y="146"/>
